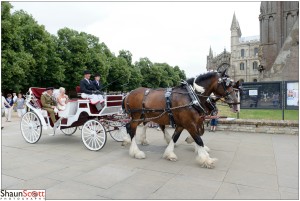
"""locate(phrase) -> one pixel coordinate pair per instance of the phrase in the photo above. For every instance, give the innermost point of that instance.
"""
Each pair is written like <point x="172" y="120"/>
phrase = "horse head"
<point x="226" y="88"/>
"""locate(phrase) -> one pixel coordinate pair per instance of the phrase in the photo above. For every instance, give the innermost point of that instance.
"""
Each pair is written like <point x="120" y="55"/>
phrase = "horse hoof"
<point x="171" y="157"/>
<point x="140" y="155"/>
<point x="145" y="143"/>
<point x="206" y="162"/>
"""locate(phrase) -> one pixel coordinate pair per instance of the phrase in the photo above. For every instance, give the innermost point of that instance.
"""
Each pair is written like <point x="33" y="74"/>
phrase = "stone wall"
<point x="259" y="126"/>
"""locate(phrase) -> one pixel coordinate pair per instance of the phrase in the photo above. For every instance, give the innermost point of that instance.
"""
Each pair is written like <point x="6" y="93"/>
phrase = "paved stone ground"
<point x="250" y="166"/>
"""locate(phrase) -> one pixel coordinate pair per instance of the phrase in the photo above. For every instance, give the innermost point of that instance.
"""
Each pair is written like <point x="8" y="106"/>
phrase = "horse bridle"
<point x="227" y="81"/>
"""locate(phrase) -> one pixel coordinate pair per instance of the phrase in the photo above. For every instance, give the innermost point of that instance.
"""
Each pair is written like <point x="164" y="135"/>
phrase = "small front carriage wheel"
<point x="117" y="131"/>
<point x="69" y="131"/>
<point x="31" y="127"/>
<point x="93" y="135"/>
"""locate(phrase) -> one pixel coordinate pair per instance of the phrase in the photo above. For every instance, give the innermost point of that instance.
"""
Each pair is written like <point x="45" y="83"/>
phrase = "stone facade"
<point x="279" y="49"/>
<point x="243" y="59"/>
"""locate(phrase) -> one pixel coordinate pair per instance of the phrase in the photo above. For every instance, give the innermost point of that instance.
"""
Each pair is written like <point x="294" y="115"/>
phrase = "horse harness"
<point x="195" y="102"/>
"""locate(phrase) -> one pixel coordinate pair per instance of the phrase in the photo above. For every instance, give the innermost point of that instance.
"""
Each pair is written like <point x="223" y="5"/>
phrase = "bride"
<point x="62" y="99"/>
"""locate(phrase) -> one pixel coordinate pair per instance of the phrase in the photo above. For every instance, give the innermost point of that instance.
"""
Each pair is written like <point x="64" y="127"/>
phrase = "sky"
<point x="178" y="33"/>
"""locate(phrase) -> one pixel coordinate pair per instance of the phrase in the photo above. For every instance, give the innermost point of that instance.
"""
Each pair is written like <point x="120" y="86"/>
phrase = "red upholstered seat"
<point x="77" y="89"/>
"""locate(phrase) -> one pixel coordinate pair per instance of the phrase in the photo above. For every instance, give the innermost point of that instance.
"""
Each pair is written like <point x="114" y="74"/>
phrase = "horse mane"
<point x="190" y="81"/>
<point x="206" y="76"/>
<point x="202" y="77"/>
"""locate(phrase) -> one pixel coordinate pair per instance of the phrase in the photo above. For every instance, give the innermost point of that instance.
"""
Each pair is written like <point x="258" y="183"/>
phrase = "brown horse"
<point x="143" y="105"/>
<point x="209" y="106"/>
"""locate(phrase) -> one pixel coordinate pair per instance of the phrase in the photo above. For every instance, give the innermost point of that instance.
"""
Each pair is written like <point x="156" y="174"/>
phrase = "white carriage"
<point x="79" y="113"/>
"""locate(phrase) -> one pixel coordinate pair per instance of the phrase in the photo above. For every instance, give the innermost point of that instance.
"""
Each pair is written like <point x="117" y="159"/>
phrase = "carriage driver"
<point x="48" y="103"/>
<point x="88" y="90"/>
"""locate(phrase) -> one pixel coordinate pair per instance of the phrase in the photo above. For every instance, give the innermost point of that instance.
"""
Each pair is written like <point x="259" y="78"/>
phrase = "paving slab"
<point x="236" y="191"/>
<point x="249" y="166"/>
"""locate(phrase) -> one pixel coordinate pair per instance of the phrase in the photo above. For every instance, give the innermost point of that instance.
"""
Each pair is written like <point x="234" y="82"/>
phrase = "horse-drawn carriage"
<point x="79" y="113"/>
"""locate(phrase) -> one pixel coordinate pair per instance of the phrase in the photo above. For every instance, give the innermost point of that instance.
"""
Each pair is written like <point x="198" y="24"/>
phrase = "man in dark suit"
<point x="97" y="83"/>
<point x="88" y="90"/>
<point x="86" y="85"/>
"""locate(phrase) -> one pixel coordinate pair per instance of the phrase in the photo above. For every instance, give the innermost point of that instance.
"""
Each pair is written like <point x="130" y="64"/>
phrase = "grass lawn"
<point x="259" y="113"/>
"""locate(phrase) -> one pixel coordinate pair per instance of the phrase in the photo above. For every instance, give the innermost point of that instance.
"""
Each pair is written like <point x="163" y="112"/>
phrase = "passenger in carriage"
<point x="89" y="91"/>
<point x="48" y="103"/>
<point x="62" y="99"/>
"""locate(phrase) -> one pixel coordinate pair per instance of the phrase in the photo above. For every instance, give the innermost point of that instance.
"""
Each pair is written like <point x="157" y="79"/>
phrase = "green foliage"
<point x="33" y="57"/>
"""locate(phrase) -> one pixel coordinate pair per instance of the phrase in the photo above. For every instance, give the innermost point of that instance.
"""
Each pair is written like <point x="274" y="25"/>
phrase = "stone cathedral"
<point x="271" y="56"/>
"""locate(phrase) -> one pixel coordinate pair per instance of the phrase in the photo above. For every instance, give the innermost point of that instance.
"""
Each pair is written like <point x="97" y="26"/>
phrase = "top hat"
<point x="86" y="72"/>
<point x="97" y="75"/>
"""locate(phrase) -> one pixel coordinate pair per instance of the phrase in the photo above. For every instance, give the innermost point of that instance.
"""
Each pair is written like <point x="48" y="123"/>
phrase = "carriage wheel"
<point x="93" y="135"/>
<point x="117" y="131"/>
<point x="31" y="127"/>
<point x="69" y="131"/>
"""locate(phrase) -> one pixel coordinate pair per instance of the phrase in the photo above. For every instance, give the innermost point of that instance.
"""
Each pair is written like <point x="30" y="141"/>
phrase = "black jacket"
<point x="86" y="87"/>
<point x="96" y="86"/>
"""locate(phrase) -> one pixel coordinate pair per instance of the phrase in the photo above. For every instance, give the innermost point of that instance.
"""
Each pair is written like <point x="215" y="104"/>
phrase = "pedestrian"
<point x="3" y="104"/>
<point x="214" y="122"/>
<point x="9" y="108"/>
<point x="20" y="102"/>
<point x="15" y="99"/>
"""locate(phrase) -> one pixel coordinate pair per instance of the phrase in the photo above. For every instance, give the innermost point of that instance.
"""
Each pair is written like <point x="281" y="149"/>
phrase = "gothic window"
<point x="242" y="66"/>
<point x="254" y="65"/>
<point x="255" y="51"/>
<point x="242" y="52"/>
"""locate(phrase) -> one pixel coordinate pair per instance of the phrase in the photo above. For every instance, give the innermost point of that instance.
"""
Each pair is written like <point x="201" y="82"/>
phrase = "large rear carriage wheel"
<point x="93" y="135"/>
<point x="31" y="127"/>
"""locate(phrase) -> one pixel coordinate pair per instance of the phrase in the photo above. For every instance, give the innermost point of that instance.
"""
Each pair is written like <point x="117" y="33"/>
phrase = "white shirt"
<point x="87" y="80"/>
<point x="4" y="102"/>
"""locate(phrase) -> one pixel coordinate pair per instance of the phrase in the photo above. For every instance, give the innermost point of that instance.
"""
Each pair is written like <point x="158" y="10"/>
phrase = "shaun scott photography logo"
<point x="23" y="195"/>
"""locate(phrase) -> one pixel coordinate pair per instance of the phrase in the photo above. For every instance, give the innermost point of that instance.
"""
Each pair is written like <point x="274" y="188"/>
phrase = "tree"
<point x="126" y="55"/>
<point x="119" y="74"/>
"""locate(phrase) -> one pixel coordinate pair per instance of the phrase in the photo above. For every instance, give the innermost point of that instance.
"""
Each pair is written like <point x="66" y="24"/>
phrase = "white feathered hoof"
<point x="140" y="155"/>
<point x="135" y="153"/>
<point x="204" y="160"/>
<point x="206" y="163"/>
<point x="170" y="156"/>
<point x="144" y="142"/>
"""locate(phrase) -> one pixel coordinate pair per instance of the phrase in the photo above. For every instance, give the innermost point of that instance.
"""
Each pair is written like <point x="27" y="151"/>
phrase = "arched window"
<point x="254" y="65"/>
<point x="242" y="66"/>
<point x="255" y="80"/>
<point x="255" y="51"/>
<point x="242" y="52"/>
